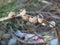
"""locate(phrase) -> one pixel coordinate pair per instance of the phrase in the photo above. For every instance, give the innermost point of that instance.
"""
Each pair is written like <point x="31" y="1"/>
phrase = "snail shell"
<point x="25" y="17"/>
<point x="11" y="14"/>
<point x="22" y="12"/>
<point x="33" y="19"/>
<point x="40" y="20"/>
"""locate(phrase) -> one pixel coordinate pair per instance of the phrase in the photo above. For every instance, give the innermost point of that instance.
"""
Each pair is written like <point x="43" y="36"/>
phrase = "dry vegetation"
<point x="29" y="16"/>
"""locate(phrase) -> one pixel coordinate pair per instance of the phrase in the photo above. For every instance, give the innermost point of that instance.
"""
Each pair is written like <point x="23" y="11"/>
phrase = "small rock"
<point x="12" y="41"/>
<point x="3" y="42"/>
<point x="19" y="33"/>
<point x="54" y="42"/>
<point x="53" y="23"/>
<point x="28" y="36"/>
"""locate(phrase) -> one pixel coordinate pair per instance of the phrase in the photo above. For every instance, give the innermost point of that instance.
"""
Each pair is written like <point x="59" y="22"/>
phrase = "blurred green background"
<point x="14" y="5"/>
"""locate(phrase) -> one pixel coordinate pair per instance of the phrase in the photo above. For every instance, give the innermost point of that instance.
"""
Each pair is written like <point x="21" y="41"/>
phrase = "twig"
<point x="6" y="18"/>
<point x="45" y="6"/>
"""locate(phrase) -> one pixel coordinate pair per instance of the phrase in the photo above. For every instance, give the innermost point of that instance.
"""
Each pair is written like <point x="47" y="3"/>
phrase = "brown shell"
<point x="25" y="17"/>
<point x="33" y="19"/>
<point x="11" y="14"/>
<point x="23" y="12"/>
<point x="40" y="20"/>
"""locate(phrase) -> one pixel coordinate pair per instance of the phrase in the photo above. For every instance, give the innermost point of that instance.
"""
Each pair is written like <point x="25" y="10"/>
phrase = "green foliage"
<point x="1" y="33"/>
<point x="5" y="9"/>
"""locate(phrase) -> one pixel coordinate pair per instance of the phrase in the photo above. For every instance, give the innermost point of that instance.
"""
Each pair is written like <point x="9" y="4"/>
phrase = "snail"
<point x="25" y="17"/>
<point x="33" y="19"/>
<point x="43" y="24"/>
<point x="11" y="14"/>
<point x="40" y="20"/>
<point x="22" y="12"/>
